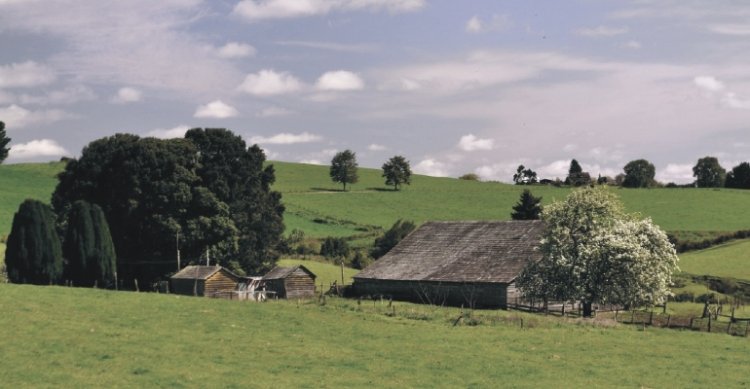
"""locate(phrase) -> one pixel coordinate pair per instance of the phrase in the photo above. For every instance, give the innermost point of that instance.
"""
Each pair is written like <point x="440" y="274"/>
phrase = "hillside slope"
<point x="23" y="181"/>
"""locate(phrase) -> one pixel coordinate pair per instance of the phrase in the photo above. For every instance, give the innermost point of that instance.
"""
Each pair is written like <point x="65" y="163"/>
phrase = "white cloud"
<point x="269" y="82"/>
<point x="432" y="167"/>
<point x="677" y="173"/>
<point x="708" y="83"/>
<point x="35" y="149"/>
<point x="474" y="24"/>
<point x="332" y="46"/>
<point x="16" y="116"/>
<point x="127" y="95"/>
<point x="632" y="45"/>
<point x="376" y="147"/>
<point x="273" y="111"/>
<point x="287" y="138"/>
<point x="340" y="80"/>
<point x="216" y="109"/>
<point x="169" y="133"/>
<point x="731" y="29"/>
<point x="25" y="74"/>
<point x="236" y="50"/>
<point x="496" y="23"/>
<point x="731" y="100"/>
<point x="254" y="10"/>
<point x="68" y="95"/>
<point x="472" y="143"/>
<point x="556" y="169"/>
<point x="312" y="161"/>
<point x="601" y="31"/>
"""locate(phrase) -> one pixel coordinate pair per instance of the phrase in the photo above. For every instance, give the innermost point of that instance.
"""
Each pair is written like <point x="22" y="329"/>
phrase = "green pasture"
<point x="326" y="273"/>
<point x="74" y="337"/>
<point x="19" y="182"/>
<point x="727" y="260"/>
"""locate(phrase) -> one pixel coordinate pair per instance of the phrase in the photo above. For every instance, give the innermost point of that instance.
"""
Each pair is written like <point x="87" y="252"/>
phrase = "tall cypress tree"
<point x="4" y="140"/>
<point x="34" y="254"/>
<point x="88" y="247"/>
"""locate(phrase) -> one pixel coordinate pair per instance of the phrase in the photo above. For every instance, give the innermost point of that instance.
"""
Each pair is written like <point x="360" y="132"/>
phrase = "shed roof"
<point x="465" y="251"/>
<point x="197" y="272"/>
<point x="282" y="272"/>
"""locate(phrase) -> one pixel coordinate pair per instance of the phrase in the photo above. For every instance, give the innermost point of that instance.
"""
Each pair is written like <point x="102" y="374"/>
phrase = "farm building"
<point x="203" y="280"/>
<point x="471" y="263"/>
<point x="290" y="282"/>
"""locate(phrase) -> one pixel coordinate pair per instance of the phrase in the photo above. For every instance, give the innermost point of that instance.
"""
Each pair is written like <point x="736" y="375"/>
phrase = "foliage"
<point x="236" y="175"/>
<point x="397" y="171"/>
<point x="708" y="173"/>
<point x="334" y="248"/>
<point x="739" y="177"/>
<point x="33" y="254"/>
<point x="527" y="208"/>
<point x="469" y="177"/>
<point x="576" y="175"/>
<point x="575" y="167"/>
<point x="524" y="176"/>
<point x="88" y="249"/>
<point x="344" y="168"/>
<point x="4" y="140"/>
<point x="390" y="238"/>
<point x="596" y="253"/>
<point x="639" y="174"/>
<point x="360" y="260"/>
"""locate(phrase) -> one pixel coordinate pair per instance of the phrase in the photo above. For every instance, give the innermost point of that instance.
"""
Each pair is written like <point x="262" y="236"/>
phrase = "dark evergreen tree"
<point x="88" y="249"/>
<point x="575" y="167"/>
<point x="4" y="140"/>
<point x="708" y="173"/>
<point x="334" y="248"/>
<point x="33" y="254"/>
<point x="639" y="174"/>
<point x="576" y="175"/>
<point x="527" y="208"/>
<point x="739" y="177"/>
<point x="397" y="172"/>
<point x="344" y="168"/>
<point x="390" y="238"/>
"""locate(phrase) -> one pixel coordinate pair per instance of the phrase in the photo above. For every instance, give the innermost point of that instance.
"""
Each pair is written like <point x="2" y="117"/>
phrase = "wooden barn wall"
<point x="276" y="286"/>
<point x="220" y="281"/>
<point x="482" y="295"/>
<point x="185" y="286"/>
<point x="299" y="285"/>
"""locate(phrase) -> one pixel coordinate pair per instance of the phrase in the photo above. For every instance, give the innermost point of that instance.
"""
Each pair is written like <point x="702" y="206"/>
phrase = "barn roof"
<point x="465" y="251"/>
<point x="197" y="272"/>
<point x="282" y="272"/>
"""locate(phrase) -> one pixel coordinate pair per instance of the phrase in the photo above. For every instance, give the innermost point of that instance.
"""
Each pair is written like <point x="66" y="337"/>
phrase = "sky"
<point x="456" y="87"/>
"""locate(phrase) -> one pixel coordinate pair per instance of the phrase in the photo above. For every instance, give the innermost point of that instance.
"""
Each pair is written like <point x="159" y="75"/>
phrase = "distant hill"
<point x="23" y="181"/>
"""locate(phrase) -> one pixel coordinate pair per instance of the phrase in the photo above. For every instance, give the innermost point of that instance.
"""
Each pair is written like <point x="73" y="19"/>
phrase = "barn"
<point x="290" y="282"/>
<point x="470" y="263"/>
<point x="203" y="280"/>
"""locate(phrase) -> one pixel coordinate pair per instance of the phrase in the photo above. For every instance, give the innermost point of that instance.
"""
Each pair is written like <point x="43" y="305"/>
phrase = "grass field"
<point x="67" y="337"/>
<point x="22" y="181"/>
<point x="727" y="260"/>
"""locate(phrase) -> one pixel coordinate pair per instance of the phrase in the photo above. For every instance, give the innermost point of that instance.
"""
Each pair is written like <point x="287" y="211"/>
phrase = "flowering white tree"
<point x="594" y="252"/>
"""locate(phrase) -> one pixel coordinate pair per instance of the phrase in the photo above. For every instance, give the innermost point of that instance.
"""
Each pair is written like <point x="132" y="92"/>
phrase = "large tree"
<point x="150" y="192"/>
<point x="527" y="208"/>
<point x="34" y="254"/>
<point x="576" y="175"/>
<point x="594" y="252"/>
<point x="524" y="176"/>
<point x="4" y="140"/>
<point x="88" y="249"/>
<point x="739" y="177"/>
<point x="390" y="238"/>
<point x="397" y="172"/>
<point x="639" y="174"/>
<point x="708" y="173"/>
<point x="237" y="176"/>
<point x="344" y="168"/>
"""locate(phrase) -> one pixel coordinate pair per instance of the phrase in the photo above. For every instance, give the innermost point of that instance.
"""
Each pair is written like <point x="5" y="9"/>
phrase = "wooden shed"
<point x="471" y="263"/>
<point x="203" y="281"/>
<point x="290" y="282"/>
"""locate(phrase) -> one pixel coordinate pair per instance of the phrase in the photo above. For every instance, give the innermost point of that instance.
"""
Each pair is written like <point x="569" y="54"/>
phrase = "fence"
<point x="727" y="324"/>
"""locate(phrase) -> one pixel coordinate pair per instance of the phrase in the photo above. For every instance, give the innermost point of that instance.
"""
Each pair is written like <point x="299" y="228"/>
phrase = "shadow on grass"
<point x="382" y="189"/>
<point x="316" y="189"/>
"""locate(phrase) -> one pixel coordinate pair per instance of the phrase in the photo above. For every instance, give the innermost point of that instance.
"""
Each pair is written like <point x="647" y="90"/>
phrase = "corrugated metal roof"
<point x="466" y="251"/>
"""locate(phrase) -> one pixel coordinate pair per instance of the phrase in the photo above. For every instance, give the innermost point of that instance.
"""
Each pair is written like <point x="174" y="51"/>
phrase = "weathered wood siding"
<point x="479" y="295"/>
<point x="220" y="281"/>
<point x="299" y="285"/>
<point x="186" y="286"/>
<point x="276" y="286"/>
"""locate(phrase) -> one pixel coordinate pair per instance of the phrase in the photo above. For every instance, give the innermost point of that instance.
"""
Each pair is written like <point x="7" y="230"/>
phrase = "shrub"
<point x="334" y="248"/>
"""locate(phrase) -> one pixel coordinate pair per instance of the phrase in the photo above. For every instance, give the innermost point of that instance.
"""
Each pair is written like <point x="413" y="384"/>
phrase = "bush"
<point x="334" y="248"/>
<point x="390" y="238"/>
<point x="706" y="298"/>
<point x="684" y="297"/>
<point x="469" y="177"/>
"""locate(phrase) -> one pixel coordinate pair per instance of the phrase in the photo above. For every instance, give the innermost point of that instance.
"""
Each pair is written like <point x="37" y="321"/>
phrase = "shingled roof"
<point x="196" y="272"/>
<point x="466" y="251"/>
<point x="282" y="272"/>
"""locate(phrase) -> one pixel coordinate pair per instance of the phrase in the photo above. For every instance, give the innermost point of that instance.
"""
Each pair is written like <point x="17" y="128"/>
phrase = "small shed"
<point x="203" y="280"/>
<point x="291" y="282"/>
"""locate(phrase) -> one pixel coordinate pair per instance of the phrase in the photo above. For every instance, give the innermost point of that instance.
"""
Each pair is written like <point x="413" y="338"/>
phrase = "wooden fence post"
<point x="136" y="285"/>
<point x="669" y="318"/>
<point x="709" y="323"/>
<point x="616" y="315"/>
<point x="651" y="318"/>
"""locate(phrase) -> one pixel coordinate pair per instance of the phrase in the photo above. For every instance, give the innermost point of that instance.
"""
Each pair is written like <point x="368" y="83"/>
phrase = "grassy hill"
<point x="71" y="337"/>
<point x="728" y="260"/>
<point x="23" y="181"/>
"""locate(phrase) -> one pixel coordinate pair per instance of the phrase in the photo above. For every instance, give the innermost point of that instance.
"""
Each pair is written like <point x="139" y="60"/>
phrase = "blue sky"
<point x="455" y="87"/>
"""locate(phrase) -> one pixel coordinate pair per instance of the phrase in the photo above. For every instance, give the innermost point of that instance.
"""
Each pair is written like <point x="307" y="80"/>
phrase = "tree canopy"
<point x="88" y="249"/>
<point x="708" y="173"/>
<point x="576" y="175"/>
<point x="397" y="172"/>
<point x="390" y="238"/>
<point x="739" y="177"/>
<point x="596" y="253"/>
<point x="4" y="140"/>
<point x="524" y="176"/>
<point x="639" y="174"/>
<point x="527" y="208"/>
<point x="33" y="254"/>
<point x="344" y="168"/>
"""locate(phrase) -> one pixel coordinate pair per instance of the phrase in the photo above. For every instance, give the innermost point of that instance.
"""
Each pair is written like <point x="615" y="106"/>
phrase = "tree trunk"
<point x="587" y="311"/>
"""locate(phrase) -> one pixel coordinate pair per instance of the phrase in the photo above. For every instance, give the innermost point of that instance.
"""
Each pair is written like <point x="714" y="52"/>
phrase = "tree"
<point x="33" y="254"/>
<point x="708" y="173"/>
<point x="524" y="176"/>
<point x="344" y="168"/>
<point x="576" y="175"/>
<point x="88" y="249"/>
<point x="390" y="238"/>
<point x="739" y="177"/>
<point x="397" y="171"/>
<point x="575" y="167"/>
<point x="469" y="177"/>
<point x="528" y="207"/>
<point x="639" y="174"/>
<point x="334" y="248"/>
<point x="4" y="140"/>
<point x="592" y="251"/>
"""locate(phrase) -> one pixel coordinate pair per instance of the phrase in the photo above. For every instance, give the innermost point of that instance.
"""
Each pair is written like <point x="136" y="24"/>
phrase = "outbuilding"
<point x="290" y="282"/>
<point x="203" y="281"/>
<point x="471" y="263"/>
